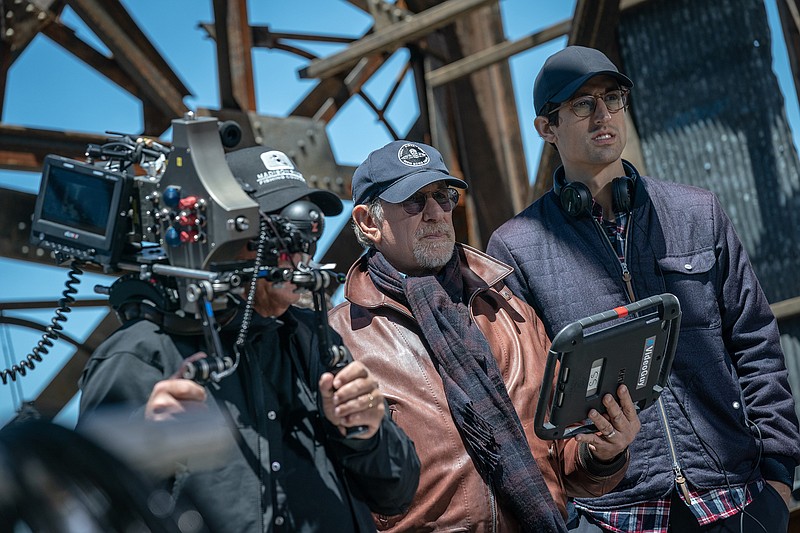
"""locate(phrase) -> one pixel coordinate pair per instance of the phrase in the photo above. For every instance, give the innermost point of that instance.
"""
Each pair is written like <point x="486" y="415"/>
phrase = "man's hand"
<point x="172" y="397"/>
<point x="616" y="429"/>
<point x="351" y="398"/>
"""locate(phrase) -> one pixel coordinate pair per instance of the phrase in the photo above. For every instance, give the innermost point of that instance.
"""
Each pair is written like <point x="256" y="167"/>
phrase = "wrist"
<point x="598" y="467"/>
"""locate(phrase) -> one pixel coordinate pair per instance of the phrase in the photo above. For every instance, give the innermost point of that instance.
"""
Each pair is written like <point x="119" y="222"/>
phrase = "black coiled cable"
<point x="52" y="331"/>
<point x="215" y="368"/>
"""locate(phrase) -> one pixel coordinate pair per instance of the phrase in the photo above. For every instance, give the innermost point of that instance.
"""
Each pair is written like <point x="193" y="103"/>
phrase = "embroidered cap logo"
<point x="412" y="155"/>
<point x="278" y="166"/>
<point x="275" y="160"/>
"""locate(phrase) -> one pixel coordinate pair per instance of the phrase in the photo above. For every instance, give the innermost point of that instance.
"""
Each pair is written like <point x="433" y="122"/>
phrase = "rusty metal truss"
<point x="458" y="57"/>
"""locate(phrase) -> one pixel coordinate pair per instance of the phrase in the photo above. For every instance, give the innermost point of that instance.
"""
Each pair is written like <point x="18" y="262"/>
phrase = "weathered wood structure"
<point x="706" y="111"/>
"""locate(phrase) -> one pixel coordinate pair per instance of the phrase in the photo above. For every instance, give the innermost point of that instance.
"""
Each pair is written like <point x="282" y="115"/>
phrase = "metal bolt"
<point x="242" y="223"/>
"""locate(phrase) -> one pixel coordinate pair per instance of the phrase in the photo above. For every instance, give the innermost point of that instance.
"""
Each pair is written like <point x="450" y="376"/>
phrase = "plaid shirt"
<point x="615" y="231"/>
<point x="653" y="516"/>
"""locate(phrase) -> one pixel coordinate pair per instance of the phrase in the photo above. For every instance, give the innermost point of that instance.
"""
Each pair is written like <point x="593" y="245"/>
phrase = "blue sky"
<point x="49" y="88"/>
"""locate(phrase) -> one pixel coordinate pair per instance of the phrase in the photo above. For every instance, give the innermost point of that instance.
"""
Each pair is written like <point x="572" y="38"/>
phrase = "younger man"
<point x="723" y="437"/>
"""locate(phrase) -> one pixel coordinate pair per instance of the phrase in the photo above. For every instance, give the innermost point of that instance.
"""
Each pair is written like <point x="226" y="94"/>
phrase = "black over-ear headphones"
<point x="576" y="199"/>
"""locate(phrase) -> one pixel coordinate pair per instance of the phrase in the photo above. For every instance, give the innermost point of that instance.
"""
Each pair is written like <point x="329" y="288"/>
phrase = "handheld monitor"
<point x="583" y="367"/>
<point x="79" y="210"/>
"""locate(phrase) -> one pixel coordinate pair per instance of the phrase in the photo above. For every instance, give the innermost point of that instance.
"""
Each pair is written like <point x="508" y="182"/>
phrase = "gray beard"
<point x="433" y="255"/>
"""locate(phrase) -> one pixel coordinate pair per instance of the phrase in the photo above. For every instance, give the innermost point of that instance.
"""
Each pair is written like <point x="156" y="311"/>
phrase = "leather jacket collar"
<point x="479" y="271"/>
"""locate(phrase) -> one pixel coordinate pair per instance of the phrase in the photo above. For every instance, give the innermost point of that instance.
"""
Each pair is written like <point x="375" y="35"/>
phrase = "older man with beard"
<point x="460" y="361"/>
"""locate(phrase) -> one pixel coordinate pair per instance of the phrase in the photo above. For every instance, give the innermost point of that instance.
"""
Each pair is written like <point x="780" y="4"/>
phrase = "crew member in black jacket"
<point x="292" y="466"/>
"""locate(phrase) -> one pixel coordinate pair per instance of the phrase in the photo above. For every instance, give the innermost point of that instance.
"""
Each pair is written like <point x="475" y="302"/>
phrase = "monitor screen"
<point x="79" y="210"/>
<point x="78" y="200"/>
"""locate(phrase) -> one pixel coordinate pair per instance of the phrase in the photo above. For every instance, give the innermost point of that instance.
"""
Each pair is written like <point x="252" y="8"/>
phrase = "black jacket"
<point x="268" y="430"/>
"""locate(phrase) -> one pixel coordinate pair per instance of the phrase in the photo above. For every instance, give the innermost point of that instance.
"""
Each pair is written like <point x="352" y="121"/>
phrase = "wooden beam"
<point x="330" y="94"/>
<point x="51" y="304"/>
<point x="492" y="55"/>
<point x="15" y="228"/>
<point x="263" y="37"/>
<point x="156" y="81"/>
<point x="67" y="39"/>
<point x="506" y="49"/>
<point x="360" y="4"/>
<point x="234" y="55"/>
<point x="392" y="37"/>
<point x="474" y="123"/>
<point x="786" y="309"/>
<point x="5" y="64"/>
<point x="595" y="24"/>
<point x="383" y="13"/>
<point x="154" y="119"/>
<point x="22" y="22"/>
<point x="24" y="148"/>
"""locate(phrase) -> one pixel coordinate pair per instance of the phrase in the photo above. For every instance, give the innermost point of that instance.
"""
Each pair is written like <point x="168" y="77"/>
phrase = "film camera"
<point x="183" y="219"/>
<point x="171" y="233"/>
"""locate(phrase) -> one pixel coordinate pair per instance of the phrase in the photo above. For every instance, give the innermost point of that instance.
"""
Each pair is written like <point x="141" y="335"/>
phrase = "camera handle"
<point x="335" y="357"/>
<point x="215" y="366"/>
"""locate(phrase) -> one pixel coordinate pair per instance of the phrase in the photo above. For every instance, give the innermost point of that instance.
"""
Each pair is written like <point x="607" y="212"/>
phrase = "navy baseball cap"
<point x="398" y="170"/>
<point x="270" y="177"/>
<point x="565" y="71"/>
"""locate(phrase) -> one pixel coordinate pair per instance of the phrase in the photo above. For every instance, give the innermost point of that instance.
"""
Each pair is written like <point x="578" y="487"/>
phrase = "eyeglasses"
<point x="584" y="106"/>
<point x="446" y="198"/>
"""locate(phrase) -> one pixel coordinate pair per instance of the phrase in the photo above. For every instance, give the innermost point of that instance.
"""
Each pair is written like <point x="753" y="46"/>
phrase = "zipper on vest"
<point x="626" y="274"/>
<point x="680" y="481"/>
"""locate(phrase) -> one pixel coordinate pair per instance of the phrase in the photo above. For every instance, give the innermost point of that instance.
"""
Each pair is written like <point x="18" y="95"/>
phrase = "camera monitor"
<point x="78" y="210"/>
<point x="582" y="368"/>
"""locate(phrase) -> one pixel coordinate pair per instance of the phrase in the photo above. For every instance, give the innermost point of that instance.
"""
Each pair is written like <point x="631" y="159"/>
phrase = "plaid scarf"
<point x="476" y="394"/>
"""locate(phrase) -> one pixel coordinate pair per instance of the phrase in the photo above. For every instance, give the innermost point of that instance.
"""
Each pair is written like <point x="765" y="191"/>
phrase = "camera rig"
<point x="172" y="233"/>
<point x="177" y="219"/>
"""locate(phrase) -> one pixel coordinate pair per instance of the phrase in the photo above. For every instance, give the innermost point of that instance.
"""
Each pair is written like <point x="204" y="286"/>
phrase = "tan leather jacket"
<point x="383" y="334"/>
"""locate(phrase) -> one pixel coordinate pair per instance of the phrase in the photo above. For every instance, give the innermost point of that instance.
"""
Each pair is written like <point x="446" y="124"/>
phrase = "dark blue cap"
<point x="270" y="177"/>
<point x="398" y="170"/>
<point x="567" y="70"/>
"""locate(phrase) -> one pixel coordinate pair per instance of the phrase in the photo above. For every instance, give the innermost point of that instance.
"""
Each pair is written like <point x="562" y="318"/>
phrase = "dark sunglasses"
<point x="446" y="198"/>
